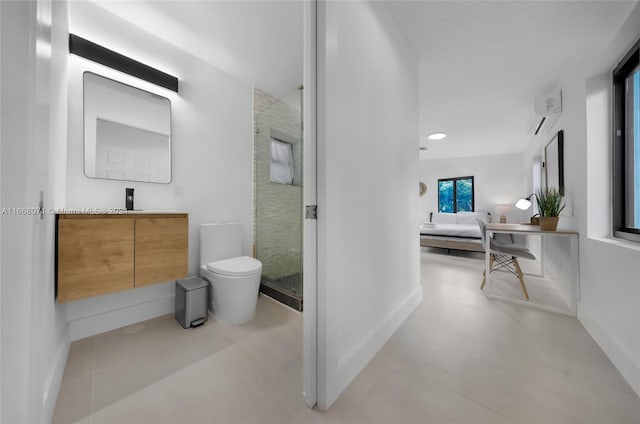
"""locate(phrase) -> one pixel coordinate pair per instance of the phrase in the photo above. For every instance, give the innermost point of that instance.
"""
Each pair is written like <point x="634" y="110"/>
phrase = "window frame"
<point x="624" y="69"/>
<point x="455" y="192"/>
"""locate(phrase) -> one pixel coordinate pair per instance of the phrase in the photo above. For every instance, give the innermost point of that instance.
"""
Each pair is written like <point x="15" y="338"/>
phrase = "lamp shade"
<point x="523" y="204"/>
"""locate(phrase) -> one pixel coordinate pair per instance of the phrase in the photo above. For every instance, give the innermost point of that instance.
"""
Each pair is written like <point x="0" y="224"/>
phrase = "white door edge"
<point x="309" y="261"/>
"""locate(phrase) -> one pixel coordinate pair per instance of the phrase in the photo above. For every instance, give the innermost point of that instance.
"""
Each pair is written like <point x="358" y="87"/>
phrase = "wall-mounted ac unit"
<point x="547" y="108"/>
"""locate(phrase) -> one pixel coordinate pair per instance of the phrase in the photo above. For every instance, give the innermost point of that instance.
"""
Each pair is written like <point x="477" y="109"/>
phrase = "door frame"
<point x="310" y="227"/>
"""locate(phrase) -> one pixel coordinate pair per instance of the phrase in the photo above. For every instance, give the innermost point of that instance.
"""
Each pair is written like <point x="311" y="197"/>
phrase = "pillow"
<point x="444" y="218"/>
<point x="469" y="218"/>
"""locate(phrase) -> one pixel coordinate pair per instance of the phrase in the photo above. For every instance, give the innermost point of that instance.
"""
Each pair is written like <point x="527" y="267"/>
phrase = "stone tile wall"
<point x="277" y="207"/>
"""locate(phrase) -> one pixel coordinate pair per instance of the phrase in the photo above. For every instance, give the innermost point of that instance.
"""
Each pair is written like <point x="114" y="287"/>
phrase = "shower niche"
<point x="278" y="153"/>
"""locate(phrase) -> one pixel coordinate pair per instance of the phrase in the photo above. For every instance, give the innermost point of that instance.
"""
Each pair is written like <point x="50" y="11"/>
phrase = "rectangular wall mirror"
<point x="127" y="132"/>
<point x="554" y="162"/>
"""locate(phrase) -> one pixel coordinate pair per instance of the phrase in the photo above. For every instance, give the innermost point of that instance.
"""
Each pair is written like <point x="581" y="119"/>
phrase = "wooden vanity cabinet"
<point x="100" y="254"/>
<point x="95" y="256"/>
<point x="161" y="250"/>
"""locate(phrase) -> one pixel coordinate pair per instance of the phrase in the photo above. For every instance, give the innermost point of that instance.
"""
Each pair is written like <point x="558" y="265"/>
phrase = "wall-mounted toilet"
<point x="234" y="279"/>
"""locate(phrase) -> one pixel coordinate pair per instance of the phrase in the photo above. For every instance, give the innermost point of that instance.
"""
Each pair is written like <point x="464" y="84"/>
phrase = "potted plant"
<point x="550" y="204"/>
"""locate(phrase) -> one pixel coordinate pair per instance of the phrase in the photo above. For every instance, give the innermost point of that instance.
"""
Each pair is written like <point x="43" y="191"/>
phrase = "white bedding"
<point x="454" y="230"/>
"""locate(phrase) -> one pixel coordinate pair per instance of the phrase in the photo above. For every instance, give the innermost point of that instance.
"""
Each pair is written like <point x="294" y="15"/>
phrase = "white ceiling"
<point x="257" y="41"/>
<point x="482" y="63"/>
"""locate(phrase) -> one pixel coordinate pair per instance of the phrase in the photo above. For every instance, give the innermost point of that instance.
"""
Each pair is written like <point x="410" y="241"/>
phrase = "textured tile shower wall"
<point x="277" y="207"/>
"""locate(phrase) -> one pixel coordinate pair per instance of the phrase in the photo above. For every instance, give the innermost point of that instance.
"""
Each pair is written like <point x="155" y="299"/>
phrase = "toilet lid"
<point x="235" y="267"/>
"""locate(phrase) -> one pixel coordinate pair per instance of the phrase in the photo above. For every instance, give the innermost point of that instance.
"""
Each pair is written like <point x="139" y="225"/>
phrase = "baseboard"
<point x="54" y="379"/>
<point x="88" y="326"/>
<point x="354" y="361"/>
<point x="617" y="354"/>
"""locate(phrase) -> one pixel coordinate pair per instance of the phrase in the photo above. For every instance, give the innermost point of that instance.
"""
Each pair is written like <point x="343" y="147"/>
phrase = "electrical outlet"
<point x="178" y="192"/>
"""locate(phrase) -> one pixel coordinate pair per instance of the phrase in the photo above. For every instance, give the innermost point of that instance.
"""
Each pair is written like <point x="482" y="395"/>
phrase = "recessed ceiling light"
<point x="436" y="136"/>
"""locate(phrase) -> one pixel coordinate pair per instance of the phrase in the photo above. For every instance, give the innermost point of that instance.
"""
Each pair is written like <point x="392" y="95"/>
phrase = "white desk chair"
<point x="504" y="255"/>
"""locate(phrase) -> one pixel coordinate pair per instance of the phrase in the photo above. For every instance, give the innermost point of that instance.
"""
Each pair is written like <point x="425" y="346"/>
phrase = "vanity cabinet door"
<point x="95" y="256"/>
<point x="161" y="249"/>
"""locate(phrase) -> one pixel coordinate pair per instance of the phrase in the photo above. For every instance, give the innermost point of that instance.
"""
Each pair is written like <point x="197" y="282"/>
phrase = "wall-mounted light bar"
<point x="95" y="52"/>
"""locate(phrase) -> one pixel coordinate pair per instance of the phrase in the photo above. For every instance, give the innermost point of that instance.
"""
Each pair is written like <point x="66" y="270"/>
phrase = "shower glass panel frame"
<point x="278" y="207"/>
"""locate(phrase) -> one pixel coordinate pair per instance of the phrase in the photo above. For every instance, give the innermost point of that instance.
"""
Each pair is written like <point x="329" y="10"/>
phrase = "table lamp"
<point x="524" y="204"/>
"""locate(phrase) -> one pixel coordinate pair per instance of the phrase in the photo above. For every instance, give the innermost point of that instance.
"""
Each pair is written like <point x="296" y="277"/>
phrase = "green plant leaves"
<point x="550" y="202"/>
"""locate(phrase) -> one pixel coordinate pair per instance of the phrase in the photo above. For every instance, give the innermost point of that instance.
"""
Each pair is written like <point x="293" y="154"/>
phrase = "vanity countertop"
<point x="118" y="211"/>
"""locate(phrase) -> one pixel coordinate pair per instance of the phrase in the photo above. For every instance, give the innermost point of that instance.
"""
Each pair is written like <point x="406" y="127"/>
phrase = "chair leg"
<point x="484" y="273"/>
<point x="520" y="277"/>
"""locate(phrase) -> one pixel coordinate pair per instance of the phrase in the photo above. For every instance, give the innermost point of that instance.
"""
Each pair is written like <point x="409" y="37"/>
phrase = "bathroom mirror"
<point x="127" y="132"/>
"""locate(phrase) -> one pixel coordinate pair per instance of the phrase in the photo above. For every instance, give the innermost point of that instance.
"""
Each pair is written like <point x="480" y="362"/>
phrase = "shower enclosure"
<point x="278" y="194"/>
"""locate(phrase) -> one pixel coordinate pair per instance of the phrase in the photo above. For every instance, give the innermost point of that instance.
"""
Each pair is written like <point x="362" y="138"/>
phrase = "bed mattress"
<point x="450" y="230"/>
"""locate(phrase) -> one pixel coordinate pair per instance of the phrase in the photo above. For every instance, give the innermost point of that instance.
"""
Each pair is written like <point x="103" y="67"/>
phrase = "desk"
<point x="556" y="289"/>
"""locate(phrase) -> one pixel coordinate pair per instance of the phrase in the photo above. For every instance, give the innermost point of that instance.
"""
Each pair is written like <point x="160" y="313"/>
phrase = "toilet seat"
<point x="235" y="267"/>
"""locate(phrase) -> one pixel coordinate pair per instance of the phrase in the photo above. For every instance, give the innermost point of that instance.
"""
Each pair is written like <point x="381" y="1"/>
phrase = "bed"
<point x="453" y="231"/>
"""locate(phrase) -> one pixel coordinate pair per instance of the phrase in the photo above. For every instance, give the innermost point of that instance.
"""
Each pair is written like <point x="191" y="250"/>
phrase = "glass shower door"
<point x="278" y="195"/>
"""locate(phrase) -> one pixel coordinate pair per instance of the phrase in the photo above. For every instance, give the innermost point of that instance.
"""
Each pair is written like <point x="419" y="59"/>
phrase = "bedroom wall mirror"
<point x="127" y="132"/>
<point x="554" y="162"/>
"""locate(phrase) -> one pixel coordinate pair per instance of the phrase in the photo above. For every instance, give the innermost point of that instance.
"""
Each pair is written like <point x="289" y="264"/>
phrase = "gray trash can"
<point x="191" y="301"/>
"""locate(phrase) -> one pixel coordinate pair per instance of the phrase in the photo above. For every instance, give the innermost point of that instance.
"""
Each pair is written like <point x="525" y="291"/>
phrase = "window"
<point x="626" y="146"/>
<point x="281" y="162"/>
<point x="455" y="195"/>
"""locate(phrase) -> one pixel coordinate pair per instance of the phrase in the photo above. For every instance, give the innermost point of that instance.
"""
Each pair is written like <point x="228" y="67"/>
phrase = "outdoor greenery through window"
<point x="626" y="146"/>
<point x="455" y="195"/>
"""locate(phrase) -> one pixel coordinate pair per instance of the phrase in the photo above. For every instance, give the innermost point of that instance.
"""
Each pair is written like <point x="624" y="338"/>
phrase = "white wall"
<point x="498" y="179"/>
<point x="609" y="304"/>
<point x="212" y="156"/>
<point x="35" y="340"/>
<point x="15" y="107"/>
<point x="1" y="203"/>
<point x="368" y="254"/>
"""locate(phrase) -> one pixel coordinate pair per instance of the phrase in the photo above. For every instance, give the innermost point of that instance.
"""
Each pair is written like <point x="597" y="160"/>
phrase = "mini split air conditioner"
<point x="547" y="108"/>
